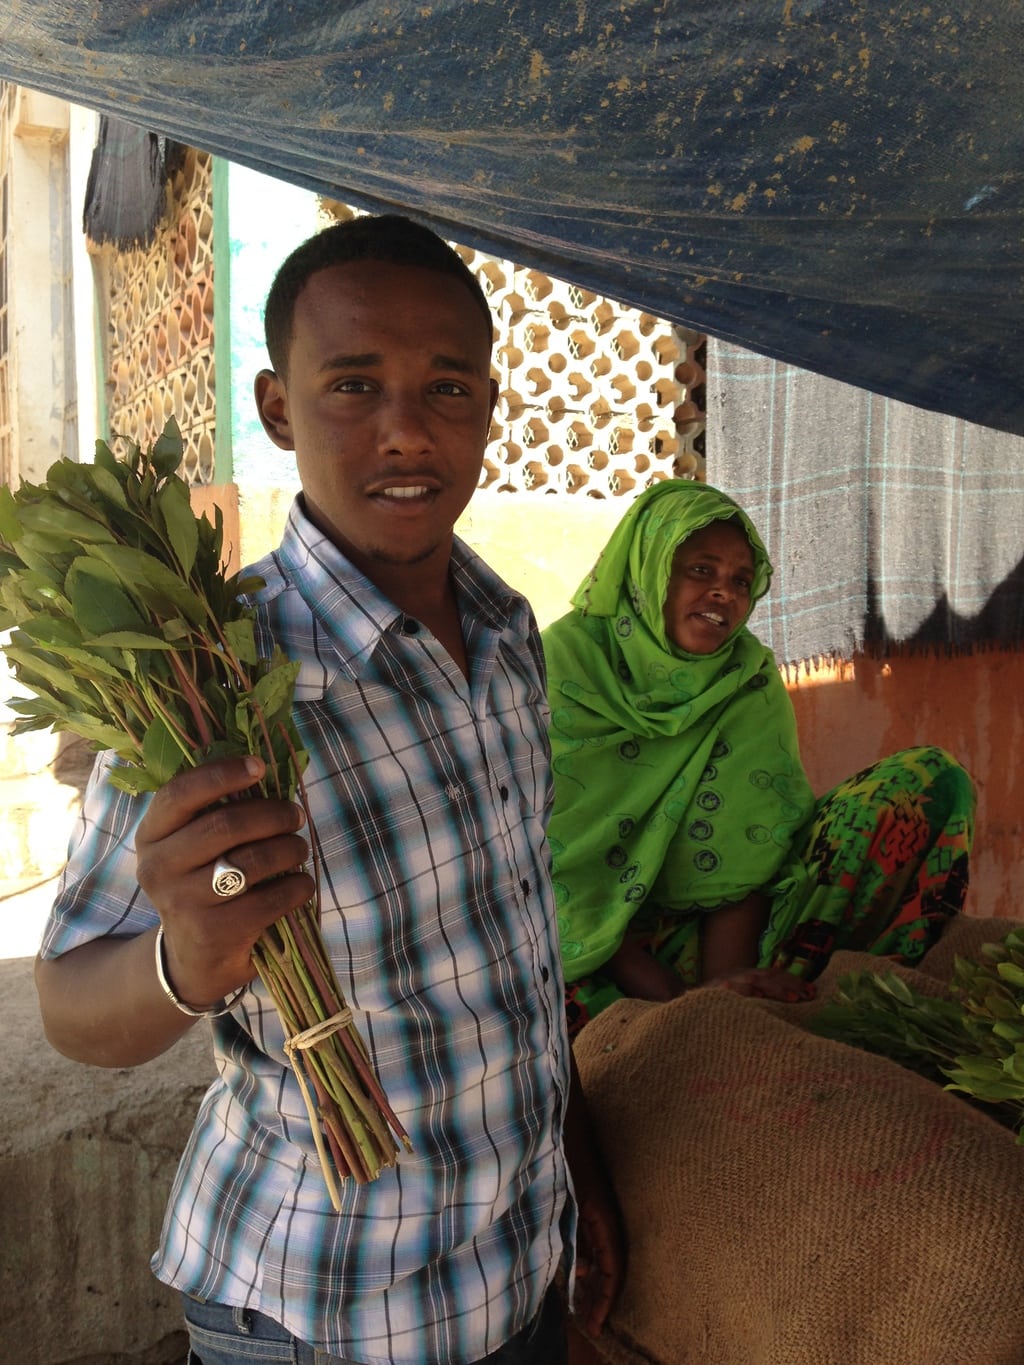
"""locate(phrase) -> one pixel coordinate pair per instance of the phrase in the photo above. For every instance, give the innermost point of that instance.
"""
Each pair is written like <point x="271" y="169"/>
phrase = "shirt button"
<point x="504" y="793"/>
<point x="544" y="974"/>
<point x="409" y="626"/>
<point x="526" y="886"/>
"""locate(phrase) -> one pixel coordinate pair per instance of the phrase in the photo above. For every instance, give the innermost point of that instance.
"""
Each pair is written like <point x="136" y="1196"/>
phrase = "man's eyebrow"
<point x="368" y="359"/>
<point x="351" y="362"/>
<point x="455" y="362"/>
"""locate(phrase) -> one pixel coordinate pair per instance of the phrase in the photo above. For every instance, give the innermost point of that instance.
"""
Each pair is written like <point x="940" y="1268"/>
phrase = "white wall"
<point x="39" y="284"/>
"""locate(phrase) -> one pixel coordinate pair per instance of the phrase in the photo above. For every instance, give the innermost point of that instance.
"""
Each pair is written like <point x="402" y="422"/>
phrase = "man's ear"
<point x="272" y="406"/>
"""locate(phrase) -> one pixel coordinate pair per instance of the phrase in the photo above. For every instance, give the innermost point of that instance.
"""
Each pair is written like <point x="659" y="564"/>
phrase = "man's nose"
<point x="404" y="427"/>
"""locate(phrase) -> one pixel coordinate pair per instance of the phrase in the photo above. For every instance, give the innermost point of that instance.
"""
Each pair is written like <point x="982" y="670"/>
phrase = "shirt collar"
<point x="331" y="587"/>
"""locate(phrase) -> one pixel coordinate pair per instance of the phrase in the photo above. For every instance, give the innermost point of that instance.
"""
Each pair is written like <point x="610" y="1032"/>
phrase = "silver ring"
<point x="228" y="880"/>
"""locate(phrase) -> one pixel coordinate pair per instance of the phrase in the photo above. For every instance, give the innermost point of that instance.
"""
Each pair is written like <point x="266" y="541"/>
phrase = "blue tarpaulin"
<point x="833" y="183"/>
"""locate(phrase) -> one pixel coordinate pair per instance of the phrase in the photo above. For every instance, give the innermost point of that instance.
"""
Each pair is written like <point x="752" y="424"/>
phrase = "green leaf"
<point x="101" y="607"/>
<point x="1010" y="972"/>
<point x="92" y="666"/>
<point x="42" y="673"/>
<point x="10" y="526"/>
<point x="102" y="736"/>
<point x="152" y="582"/>
<point x="161" y="752"/>
<point x="177" y="630"/>
<point x="109" y="486"/>
<point x="250" y="584"/>
<point x="275" y="690"/>
<point x="180" y="520"/>
<point x="991" y="1092"/>
<point x="38" y="548"/>
<point x="133" y="780"/>
<point x="129" y="639"/>
<point x="56" y="632"/>
<point x="38" y="715"/>
<point x="69" y="524"/>
<point x="897" y="988"/>
<point x="168" y="449"/>
<point x="241" y="638"/>
<point x="981" y="1068"/>
<point x="28" y="725"/>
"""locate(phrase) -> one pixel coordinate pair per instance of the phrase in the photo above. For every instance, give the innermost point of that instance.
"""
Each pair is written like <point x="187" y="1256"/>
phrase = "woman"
<point x="687" y="844"/>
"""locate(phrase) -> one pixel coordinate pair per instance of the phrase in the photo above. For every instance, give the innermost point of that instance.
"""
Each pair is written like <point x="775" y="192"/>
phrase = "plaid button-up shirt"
<point x="429" y="796"/>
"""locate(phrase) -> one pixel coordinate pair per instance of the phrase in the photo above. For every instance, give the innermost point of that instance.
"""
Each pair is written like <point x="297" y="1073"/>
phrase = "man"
<point x="420" y="700"/>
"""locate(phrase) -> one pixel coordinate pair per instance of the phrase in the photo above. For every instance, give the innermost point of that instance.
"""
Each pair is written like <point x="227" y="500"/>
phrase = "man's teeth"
<point x="414" y="492"/>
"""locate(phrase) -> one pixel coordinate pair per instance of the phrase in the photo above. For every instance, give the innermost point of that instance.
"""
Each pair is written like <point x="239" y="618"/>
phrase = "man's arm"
<point x="102" y="1003"/>
<point x="600" y="1243"/>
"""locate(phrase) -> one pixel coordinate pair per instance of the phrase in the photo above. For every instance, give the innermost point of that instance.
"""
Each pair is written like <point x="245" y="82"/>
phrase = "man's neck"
<point x="426" y="592"/>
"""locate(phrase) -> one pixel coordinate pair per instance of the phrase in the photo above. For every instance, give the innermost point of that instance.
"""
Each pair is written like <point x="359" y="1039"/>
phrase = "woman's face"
<point x="709" y="588"/>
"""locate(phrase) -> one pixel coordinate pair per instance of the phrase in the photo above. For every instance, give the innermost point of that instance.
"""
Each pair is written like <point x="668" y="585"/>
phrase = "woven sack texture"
<point x="790" y="1200"/>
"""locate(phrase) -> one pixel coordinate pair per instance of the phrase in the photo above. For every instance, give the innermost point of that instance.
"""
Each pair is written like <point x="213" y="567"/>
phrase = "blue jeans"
<point x="219" y="1335"/>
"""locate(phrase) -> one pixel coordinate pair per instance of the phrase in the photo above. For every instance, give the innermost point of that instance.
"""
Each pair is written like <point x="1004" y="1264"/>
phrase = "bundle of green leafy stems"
<point x="971" y="1040"/>
<point x="127" y="631"/>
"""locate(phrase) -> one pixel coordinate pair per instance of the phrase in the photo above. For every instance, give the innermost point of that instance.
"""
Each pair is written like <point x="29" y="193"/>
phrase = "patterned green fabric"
<point x="678" y="782"/>
<point x="886" y="857"/>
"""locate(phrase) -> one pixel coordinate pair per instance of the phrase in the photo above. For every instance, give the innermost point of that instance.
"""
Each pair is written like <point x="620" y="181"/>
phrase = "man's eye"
<point x="351" y="386"/>
<point x="449" y="387"/>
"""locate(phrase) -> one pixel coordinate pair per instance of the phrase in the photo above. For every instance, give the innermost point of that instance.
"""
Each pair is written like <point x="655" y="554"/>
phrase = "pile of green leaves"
<point x="972" y="1041"/>
<point x="125" y="630"/>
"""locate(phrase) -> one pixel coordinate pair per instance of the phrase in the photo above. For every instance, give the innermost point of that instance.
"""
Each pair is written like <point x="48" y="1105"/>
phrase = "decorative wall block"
<point x="594" y="398"/>
<point x="160" y="316"/>
<point x="604" y="399"/>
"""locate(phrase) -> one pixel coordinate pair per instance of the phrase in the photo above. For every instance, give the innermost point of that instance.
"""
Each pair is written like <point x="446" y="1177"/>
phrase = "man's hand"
<point x="102" y="1003"/>
<point x="190" y="823"/>
<point x="600" y="1244"/>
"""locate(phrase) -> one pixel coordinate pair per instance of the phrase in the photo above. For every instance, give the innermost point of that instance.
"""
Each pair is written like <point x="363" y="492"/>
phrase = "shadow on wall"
<point x="73" y="762"/>
<point x="1000" y="621"/>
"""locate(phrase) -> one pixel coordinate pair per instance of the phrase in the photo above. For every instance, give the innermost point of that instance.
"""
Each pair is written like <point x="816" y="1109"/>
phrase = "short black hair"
<point x="388" y="237"/>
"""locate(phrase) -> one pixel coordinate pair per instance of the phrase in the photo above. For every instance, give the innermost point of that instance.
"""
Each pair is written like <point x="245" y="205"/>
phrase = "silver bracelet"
<point x="160" y="954"/>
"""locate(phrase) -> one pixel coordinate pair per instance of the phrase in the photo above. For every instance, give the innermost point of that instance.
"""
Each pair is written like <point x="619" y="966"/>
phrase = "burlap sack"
<point x="790" y="1200"/>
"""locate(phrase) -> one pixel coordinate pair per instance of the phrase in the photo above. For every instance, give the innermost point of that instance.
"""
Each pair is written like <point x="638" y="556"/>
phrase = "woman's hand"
<point x="640" y="976"/>
<point x="767" y="983"/>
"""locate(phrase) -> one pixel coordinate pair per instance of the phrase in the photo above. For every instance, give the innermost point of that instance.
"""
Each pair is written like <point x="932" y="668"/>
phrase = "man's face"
<point x="387" y="405"/>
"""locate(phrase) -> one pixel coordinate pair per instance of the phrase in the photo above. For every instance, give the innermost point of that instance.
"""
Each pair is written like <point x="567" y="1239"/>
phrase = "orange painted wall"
<point x="972" y="705"/>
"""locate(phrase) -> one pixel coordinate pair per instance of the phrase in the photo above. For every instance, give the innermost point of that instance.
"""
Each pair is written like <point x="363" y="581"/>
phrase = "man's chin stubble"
<point x="383" y="556"/>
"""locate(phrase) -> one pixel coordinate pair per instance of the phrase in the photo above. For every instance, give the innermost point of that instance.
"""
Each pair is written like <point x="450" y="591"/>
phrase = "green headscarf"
<point x="678" y="782"/>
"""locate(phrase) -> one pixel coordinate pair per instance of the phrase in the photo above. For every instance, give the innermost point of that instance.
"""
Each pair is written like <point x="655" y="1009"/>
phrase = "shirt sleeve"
<point x="98" y="895"/>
